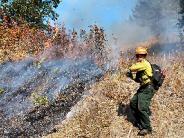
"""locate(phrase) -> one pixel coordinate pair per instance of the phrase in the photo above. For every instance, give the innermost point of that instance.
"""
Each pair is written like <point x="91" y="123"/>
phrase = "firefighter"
<point x="141" y="72"/>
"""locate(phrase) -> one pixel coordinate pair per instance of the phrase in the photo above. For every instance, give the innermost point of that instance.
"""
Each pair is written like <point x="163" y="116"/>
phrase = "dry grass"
<point x="96" y="116"/>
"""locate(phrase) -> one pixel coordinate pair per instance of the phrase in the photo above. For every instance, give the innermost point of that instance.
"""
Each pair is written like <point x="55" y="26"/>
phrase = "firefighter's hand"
<point x="129" y="74"/>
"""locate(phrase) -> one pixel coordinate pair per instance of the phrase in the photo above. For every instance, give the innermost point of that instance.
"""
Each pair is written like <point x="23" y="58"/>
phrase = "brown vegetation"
<point x="97" y="114"/>
<point x="21" y="41"/>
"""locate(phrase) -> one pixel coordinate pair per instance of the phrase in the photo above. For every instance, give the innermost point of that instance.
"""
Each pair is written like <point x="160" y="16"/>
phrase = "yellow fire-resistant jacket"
<point x="144" y="66"/>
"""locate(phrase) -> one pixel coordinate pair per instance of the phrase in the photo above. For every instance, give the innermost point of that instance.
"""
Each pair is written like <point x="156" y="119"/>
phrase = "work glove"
<point x="129" y="74"/>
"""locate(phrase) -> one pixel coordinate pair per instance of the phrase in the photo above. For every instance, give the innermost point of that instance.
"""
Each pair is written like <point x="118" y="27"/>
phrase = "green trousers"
<point x="140" y="106"/>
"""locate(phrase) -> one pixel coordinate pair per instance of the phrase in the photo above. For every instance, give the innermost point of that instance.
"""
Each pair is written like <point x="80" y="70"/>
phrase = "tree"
<point x="181" y="22"/>
<point x="34" y="12"/>
<point x="181" y="12"/>
<point x="148" y="13"/>
<point x="156" y="14"/>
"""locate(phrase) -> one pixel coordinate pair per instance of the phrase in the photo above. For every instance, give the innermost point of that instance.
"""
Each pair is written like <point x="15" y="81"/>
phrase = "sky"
<point x="80" y="14"/>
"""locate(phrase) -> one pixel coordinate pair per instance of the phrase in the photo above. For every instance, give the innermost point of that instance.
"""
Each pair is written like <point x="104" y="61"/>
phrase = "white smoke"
<point x="153" y="18"/>
<point x="82" y="13"/>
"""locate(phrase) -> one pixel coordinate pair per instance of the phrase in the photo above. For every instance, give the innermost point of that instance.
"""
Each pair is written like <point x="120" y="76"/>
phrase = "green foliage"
<point x="1" y="91"/>
<point x="34" y="12"/>
<point x="39" y="100"/>
<point x="156" y="14"/>
<point x="181" y="19"/>
<point x="148" y="13"/>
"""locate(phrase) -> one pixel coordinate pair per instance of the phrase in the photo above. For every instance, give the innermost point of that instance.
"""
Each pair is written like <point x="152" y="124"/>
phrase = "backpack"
<point x="158" y="76"/>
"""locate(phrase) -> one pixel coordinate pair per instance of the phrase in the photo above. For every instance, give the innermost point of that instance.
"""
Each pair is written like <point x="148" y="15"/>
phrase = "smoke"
<point x="149" y="19"/>
<point x="81" y="13"/>
<point x="153" y="17"/>
<point x="55" y="75"/>
<point x="20" y="80"/>
<point x="161" y="16"/>
<point x="130" y="33"/>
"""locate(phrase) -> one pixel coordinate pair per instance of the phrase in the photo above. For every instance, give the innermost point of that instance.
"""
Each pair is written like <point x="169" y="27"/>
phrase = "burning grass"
<point x="103" y="112"/>
<point x="36" y="67"/>
<point x="99" y="114"/>
<point x="22" y="41"/>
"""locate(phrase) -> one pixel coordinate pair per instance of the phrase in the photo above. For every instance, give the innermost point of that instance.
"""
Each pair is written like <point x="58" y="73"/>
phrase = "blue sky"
<point x="106" y="13"/>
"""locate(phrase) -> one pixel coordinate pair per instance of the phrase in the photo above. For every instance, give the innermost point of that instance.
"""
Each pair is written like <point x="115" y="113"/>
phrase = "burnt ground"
<point x="40" y="120"/>
<point x="20" y="118"/>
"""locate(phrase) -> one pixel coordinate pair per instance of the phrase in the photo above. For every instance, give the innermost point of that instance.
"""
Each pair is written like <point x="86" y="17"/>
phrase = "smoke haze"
<point x="125" y="28"/>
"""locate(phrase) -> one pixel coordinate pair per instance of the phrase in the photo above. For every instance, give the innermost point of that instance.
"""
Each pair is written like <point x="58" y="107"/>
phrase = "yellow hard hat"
<point x="141" y="51"/>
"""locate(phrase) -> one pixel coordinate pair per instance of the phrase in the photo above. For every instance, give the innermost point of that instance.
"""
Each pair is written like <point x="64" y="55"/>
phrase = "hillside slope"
<point x="104" y="113"/>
